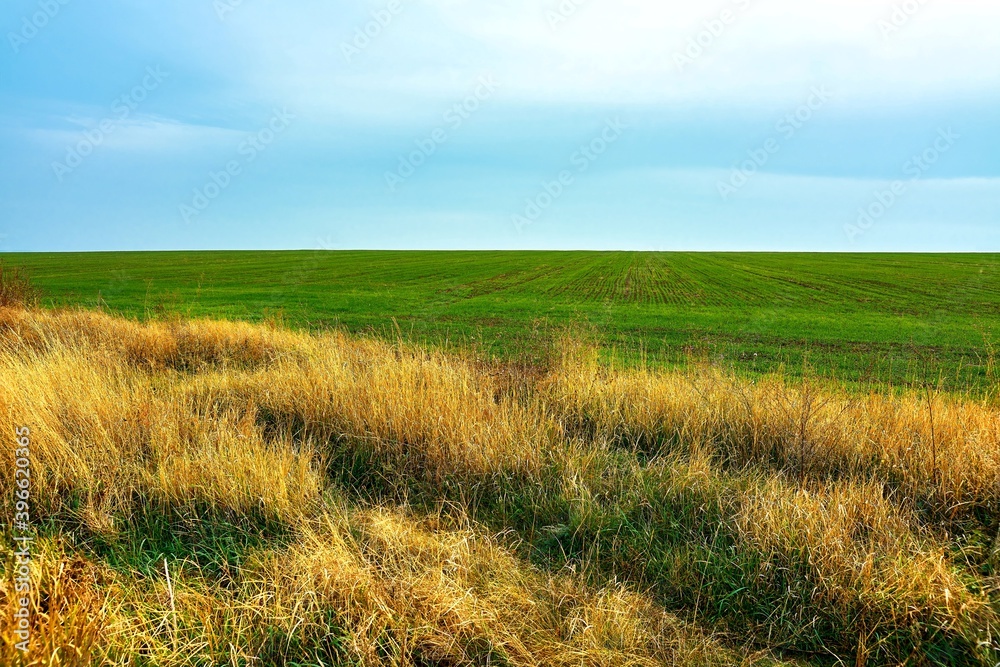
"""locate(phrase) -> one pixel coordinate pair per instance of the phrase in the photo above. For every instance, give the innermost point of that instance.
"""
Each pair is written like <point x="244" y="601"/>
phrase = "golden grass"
<point x="364" y="588"/>
<point x="761" y="514"/>
<point x="937" y="449"/>
<point x="68" y="603"/>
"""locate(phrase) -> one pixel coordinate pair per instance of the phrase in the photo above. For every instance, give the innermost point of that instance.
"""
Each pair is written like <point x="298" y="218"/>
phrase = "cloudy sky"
<point x="599" y="124"/>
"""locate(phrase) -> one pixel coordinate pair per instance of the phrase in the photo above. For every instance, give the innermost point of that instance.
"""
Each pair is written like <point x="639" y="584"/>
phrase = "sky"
<point x="828" y="125"/>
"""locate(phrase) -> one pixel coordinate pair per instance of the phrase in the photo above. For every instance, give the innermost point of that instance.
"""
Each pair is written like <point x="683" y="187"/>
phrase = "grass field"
<point x="881" y="318"/>
<point x="209" y="493"/>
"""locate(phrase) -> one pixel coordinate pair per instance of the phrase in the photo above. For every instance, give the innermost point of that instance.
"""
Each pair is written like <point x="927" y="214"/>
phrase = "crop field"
<point x="870" y="319"/>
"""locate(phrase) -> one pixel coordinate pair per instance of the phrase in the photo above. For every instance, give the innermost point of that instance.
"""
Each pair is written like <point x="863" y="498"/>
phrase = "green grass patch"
<point x="866" y="319"/>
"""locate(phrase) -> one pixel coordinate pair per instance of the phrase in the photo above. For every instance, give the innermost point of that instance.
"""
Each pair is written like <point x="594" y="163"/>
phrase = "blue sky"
<point x="593" y="124"/>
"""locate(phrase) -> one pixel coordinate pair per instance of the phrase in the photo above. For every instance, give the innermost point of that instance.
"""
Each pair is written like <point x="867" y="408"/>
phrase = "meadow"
<point x="867" y="319"/>
<point x="226" y="493"/>
<point x="287" y="487"/>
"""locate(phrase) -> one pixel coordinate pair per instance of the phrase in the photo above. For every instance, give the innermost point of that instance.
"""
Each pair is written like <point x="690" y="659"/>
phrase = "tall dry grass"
<point x="367" y="588"/>
<point x="936" y="450"/>
<point x="16" y="288"/>
<point x="287" y="479"/>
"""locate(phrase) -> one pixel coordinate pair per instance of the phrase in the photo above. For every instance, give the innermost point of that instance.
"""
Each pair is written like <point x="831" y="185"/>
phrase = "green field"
<point x="863" y="318"/>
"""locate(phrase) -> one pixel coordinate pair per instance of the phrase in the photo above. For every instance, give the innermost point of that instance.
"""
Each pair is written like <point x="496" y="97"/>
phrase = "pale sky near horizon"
<point x="833" y="125"/>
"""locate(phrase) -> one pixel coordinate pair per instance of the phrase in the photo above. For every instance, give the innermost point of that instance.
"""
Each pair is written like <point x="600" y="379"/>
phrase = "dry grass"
<point x="939" y="451"/>
<point x="16" y="289"/>
<point x="328" y="500"/>
<point x="365" y="588"/>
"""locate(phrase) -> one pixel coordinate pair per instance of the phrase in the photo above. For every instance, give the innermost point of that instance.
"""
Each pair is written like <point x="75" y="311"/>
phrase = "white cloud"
<point x="625" y="51"/>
